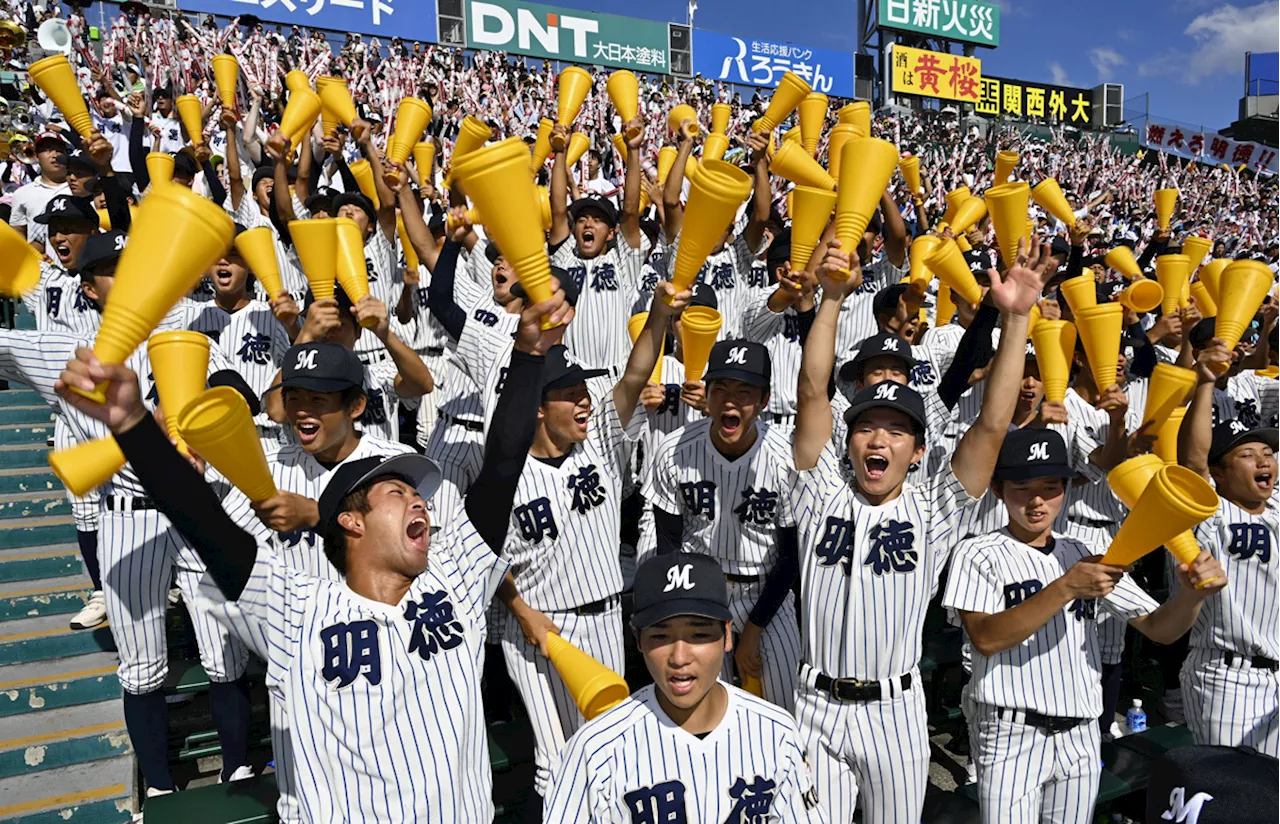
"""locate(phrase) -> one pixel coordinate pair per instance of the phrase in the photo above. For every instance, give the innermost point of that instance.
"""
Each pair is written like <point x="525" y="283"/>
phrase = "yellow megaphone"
<point x="316" y="242"/>
<point x="19" y="264"/>
<point x="335" y="100"/>
<point x="714" y="147"/>
<point x="352" y="268"/>
<point x="595" y="688"/>
<point x="1166" y="391"/>
<point x="578" y="145"/>
<point x="1195" y="248"/>
<point x="810" y="212"/>
<point x="791" y="162"/>
<point x="179" y="363"/>
<point x="412" y="118"/>
<point x="1174" y="501"/>
<point x="300" y="114"/>
<point x="1204" y="304"/>
<point x="1005" y="164"/>
<point x="87" y="466"/>
<point x="258" y="248"/>
<point x="786" y="98"/>
<point x="424" y="159"/>
<point x="1007" y="205"/>
<point x="1121" y="259"/>
<point x="1172" y="272"/>
<point x="191" y="113"/>
<point x="858" y="115"/>
<point x="218" y="425"/>
<point x="720" y="113"/>
<point x="699" y="328"/>
<point x="1211" y="276"/>
<point x="1165" y="200"/>
<point x="946" y="310"/>
<point x="541" y="144"/>
<point x="624" y="92"/>
<point x="813" y="112"/>
<point x="1055" y="342"/>
<point x="159" y="167"/>
<point x="1165" y="445"/>
<point x="910" y="168"/>
<point x="1244" y="287"/>
<point x="678" y="115"/>
<point x="1048" y="194"/>
<point x="839" y="135"/>
<point x="296" y="80"/>
<point x="226" y="71"/>
<point x="1099" y="328"/>
<point x="666" y="159"/>
<point x="57" y="80"/>
<point x="1128" y="480"/>
<point x="714" y="197"/>
<point x="954" y="198"/>
<point x="967" y="215"/>
<point x="572" y="87"/>
<point x="948" y="263"/>
<point x="866" y="167"/>
<point x="634" y="327"/>
<point x="1142" y="296"/>
<point x="411" y="261"/>
<point x="363" y="173"/>
<point x="1081" y="292"/>
<point x="921" y="248"/>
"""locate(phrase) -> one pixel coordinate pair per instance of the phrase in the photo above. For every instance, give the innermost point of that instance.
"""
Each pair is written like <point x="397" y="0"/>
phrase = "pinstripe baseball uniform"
<point x="1026" y="774"/>
<point x="1237" y="704"/>
<point x="250" y="216"/>
<point x="731" y="510"/>
<point x="251" y="339"/>
<point x="634" y="764"/>
<point x="380" y="416"/>
<point x="607" y="287"/>
<point x="868" y="627"/>
<point x="384" y="726"/>
<point x="137" y="546"/>
<point x="780" y="333"/>
<point x="563" y="548"/>
<point x="728" y="272"/>
<point x="857" y="318"/>
<point x="660" y="422"/>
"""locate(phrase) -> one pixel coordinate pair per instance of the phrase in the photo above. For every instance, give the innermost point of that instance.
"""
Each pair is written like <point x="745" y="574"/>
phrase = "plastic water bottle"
<point x="1136" y="718"/>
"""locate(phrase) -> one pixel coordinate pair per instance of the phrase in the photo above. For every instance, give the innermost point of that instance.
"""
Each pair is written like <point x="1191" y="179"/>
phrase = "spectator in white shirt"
<point x="30" y="200"/>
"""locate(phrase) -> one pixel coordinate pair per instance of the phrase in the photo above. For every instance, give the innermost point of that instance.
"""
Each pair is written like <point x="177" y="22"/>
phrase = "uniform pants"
<point x="139" y="551"/>
<point x="879" y="749"/>
<point x="287" y="807"/>
<point x="552" y="711"/>
<point x="83" y="508"/>
<point x="1027" y="776"/>
<point x="779" y="645"/>
<point x="1235" y="706"/>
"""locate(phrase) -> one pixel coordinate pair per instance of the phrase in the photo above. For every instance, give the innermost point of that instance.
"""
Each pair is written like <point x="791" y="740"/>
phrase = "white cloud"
<point x="1106" y="60"/>
<point x="1221" y="36"/>
<point x="1059" y="75"/>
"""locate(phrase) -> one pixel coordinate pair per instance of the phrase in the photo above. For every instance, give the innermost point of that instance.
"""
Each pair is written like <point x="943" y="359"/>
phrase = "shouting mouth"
<point x="875" y="466"/>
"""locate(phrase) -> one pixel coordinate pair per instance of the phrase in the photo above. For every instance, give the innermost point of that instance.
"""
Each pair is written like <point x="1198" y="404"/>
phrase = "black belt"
<point x="132" y="503"/>
<point x="741" y="579"/>
<point x="1256" y="661"/>
<point x="433" y="351"/>
<point x="847" y="689"/>
<point x="1051" y="724"/>
<point x="470" y="426"/>
<point x="595" y="607"/>
<point x="782" y="419"/>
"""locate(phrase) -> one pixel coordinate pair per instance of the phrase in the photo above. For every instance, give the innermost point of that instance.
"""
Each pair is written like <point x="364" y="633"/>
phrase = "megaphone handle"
<point x="546" y="323"/>
<point x="98" y="394"/>
<point x="1204" y="584"/>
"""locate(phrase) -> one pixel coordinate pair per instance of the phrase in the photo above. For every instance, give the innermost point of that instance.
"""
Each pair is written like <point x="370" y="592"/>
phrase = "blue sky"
<point x="1189" y="54"/>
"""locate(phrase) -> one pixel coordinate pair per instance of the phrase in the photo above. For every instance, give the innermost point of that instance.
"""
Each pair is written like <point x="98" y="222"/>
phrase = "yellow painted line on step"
<point x="53" y="553"/>
<point x="78" y="732"/>
<point x="62" y="801"/>
<point x="57" y="679"/>
<point x="49" y="522"/>
<point x="55" y="588"/>
<point x="44" y="633"/>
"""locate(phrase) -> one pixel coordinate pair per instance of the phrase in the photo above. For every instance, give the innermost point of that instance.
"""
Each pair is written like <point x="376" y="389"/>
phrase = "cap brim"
<point x="1027" y="472"/>
<point x="665" y="609"/>
<point x="1267" y="435"/>
<point x="326" y="385"/>
<point x="752" y="378"/>
<point x="853" y="412"/>
<point x="419" y="470"/>
<point x="573" y="377"/>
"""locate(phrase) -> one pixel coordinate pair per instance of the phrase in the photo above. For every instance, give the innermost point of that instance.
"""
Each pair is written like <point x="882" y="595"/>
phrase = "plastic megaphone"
<point x="175" y="237"/>
<point x="226" y="72"/>
<point x="967" y="215"/>
<point x="792" y="134"/>
<point x="1166" y="442"/>
<point x="328" y="120"/>
<point x="691" y="165"/>
<point x="1007" y="205"/>
<point x="1142" y="296"/>
<point x="544" y="207"/>
<point x="258" y="248"/>
<point x="1055" y="342"/>
<point x="714" y="146"/>
<point x="837" y="138"/>
<point x="336" y="102"/>
<point x="191" y="113"/>
<point x="786" y="99"/>
<point x="1165" y="200"/>
<point x="219" y="427"/>
<point x="1099" y="329"/>
<point x="595" y="688"/>
<point x="1033" y="319"/>
<point x="699" y="328"/>
<point x="678" y="115"/>
<point x="54" y="35"/>
<point x="1128" y="480"/>
<point x="634" y="327"/>
<point x="57" y="80"/>
<point x="791" y="162"/>
<point x="1006" y="162"/>
<point x="1195" y="248"/>
<point x="813" y="112"/>
<point x="1081" y="292"/>
<point x="300" y="114"/>
<point x="87" y="466"/>
<point x="352" y="269"/>
<point x="1211" y="276"/>
<point x="316" y="241"/>
<point x="946" y="310"/>
<point x="1172" y="272"/>
<point x="910" y="168"/>
<point x="720" y="113"/>
<point x="497" y="180"/>
<point x="1049" y="195"/>
<point x="472" y="134"/>
<point x="714" y="197"/>
<point x="412" y="118"/>
<point x="948" y="263"/>
<point x="810" y="212"/>
<point x="921" y="248"/>
<point x="411" y="261"/>
<point x="19" y="264"/>
<point x="179" y="362"/>
<point x="866" y="167"/>
<point x="666" y="159"/>
<point x="578" y="145"/>
<point x="1244" y="287"/>
<point x="1121" y="259"/>
<point x="858" y="115"/>
<point x="1174" y="501"/>
<point x="954" y="198"/>
<point x="363" y="173"/>
<point x="573" y="86"/>
<point x="620" y="146"/>
<point x="1166" y="391"/>
<point x="624" y="93"/>
<point x="159" y="167"/>
<point x="542" y="144"/>
<point x="1204" y="304"/>
<point x="296" y="80"/>
<point x="424" y="158"/>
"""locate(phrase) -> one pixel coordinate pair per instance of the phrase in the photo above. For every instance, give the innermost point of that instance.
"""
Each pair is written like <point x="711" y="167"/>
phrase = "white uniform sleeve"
<point x="480" y="347"/>
<point x="269" y="614"/>
<point x="615" y="439"/>
<point x="1129" y="601"/>
<point x="973" y="583"/>
<point x="36" y="359"/>
<point x="759" y="322"/>
<point x="662" y="486"/>
<point x="796" y="799"/>
<point x="950" y="500"/>
<point x="575" y="790"/>
<point x="481" y="570"/>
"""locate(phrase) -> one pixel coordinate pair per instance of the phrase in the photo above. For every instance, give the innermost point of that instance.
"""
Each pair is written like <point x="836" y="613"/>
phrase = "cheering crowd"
<point x="757" y="460"/>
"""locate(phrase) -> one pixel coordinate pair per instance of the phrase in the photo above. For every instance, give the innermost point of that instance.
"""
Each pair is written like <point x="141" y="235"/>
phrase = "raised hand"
<point x="1018" y="289"/>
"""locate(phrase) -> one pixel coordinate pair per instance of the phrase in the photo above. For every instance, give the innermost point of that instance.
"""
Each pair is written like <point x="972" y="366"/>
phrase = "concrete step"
<point x="34" y="504"/>
<point x="97" y="791"/>
<point x="57" y="738"/>
<point x="45" y="596"/>
<point x="39" y="531"/>
<point x="46" y="637"/>
<point x="58" y="683"/>
<point x="33" y="563"/>
<point x="29" y="479"/>
<point x="24" y="455"/>
<point x="33" y="413"/>
<point x="19" y="395"/>
<point x="26" y="433"/>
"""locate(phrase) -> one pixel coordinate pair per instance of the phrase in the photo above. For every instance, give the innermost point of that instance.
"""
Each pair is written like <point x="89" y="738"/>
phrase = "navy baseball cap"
<point x="324" y="196"/>
<point x="356" y="199"/>
<point x="704" y="295"/>
<point x="1212" y="785"/>
<point x="679" y="583"/>
<point x="886" y="300"/>
<point x="418" y="471"/>
<point x="101" y="248"/>
<point x="885" y="343"/>
<point x="567" y="283"/>
<point x="184" y="164"/>
<point x="69" y="207"/>
<point x="602" y="205"/>
<point x="78" y="159"/>
<point x="558" y="371"/>
<point x="1230" y="434"/>
<point x="321" y="367"/>
<point x="740" y="360"/>
<point x="1032" y="453"/>
<point x="888" y="395"/>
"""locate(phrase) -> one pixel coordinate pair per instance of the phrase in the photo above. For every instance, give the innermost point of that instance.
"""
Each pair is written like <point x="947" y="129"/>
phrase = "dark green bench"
<point x="244" y="802"/>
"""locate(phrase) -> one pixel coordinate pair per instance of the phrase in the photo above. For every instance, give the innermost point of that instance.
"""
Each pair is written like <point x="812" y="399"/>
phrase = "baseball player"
<point x="689" y="747"/>
<point x="399" y="637"/>
<point x="1230" y="683"/>
<point x="564" y="537"/>
<point x="1028" y="598"/>
<point x="892" y="265"/>
<point x="872" y="548"/>
<point x="720" y="486"/>
<point x="604" y="262"/>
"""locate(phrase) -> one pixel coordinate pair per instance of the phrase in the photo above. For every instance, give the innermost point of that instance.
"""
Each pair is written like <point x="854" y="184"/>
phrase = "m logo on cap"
<point x="120" y="242"/>
<point x="887" y="391"/>
<point x="738" y="355"/>
<point x="1237" y="427"/>
<point x="1039" y="451"/>
<point x="1182" y="811"/>
<point x="306" y="360"/>
<point x="889" y="345"/>
<point x="678" y="577"/>
<point x="60" y="205"/>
